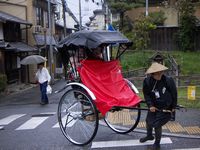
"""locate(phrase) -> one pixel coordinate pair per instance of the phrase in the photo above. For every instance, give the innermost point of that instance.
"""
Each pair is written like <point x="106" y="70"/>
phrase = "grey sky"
<point x="87" y="7"/>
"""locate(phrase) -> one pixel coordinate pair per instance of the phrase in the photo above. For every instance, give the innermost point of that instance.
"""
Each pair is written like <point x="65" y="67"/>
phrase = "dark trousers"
<point x="43" y="90"/>
<point x="156" y="120"/>
<point x="158" y="133"/>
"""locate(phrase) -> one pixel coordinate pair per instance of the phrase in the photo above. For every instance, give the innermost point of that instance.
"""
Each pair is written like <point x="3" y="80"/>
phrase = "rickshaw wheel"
<point x="123" y="119"/>
<point x="78" y="117"/>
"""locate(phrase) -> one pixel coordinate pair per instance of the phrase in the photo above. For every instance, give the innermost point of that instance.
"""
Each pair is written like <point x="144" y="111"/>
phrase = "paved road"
<point x="20" y="116"/>
<point x="34" y="127"/>
<point x="187" y="123"/>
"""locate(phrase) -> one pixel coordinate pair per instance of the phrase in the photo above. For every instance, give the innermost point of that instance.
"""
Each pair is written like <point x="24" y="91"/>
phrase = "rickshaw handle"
<point x="178" y="107"/>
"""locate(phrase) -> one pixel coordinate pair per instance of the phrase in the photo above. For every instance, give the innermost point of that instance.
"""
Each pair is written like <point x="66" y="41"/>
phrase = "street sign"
<point x="191" y="92"/>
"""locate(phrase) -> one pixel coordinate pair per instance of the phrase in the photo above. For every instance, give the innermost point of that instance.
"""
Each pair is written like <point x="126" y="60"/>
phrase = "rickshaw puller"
<point x="160" y="93"/>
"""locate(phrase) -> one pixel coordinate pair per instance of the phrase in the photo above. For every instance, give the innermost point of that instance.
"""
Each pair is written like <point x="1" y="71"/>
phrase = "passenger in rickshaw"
<point x="105" y="80"/>
<point x="160" y="93"/>
<point x="95" y="54"/>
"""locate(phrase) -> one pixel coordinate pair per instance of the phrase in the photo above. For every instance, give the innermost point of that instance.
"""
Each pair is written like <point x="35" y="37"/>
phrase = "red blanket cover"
<point x="105" y="80"/>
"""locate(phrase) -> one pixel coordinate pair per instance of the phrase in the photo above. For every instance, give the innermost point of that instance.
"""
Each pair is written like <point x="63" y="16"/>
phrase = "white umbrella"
<point x="33" y="59"/>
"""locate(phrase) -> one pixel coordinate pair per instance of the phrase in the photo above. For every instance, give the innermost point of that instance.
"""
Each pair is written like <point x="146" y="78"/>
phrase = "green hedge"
<point x="3" y="82"/>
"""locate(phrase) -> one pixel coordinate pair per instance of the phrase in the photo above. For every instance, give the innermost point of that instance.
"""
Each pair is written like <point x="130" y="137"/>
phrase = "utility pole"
<point x="51" y="62"/>
<point x="105" y="11"/>
<point x="80" y="17"/>
<point x="64" y="16"/>
<point x="147" y="6"/>
<point x="106" y="16"/>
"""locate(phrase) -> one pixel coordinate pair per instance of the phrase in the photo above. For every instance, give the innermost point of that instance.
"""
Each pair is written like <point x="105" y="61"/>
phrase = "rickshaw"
<point x="96" y="89"/>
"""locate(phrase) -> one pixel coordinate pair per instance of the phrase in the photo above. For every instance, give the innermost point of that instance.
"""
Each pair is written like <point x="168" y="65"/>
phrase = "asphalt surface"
<point x="186" y="125"/>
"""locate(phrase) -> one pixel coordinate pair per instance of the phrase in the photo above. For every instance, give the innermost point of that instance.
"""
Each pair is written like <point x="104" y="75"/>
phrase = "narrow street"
<point x="25" y="124"/>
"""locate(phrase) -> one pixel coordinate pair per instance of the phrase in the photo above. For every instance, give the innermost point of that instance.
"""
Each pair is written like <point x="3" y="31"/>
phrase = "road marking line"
<point x="49" y="113"/>
<point x="187" y="149"/>
<point x="104" y="144"/>
<point x="9" y="119"/>
<point x="32" y="123"/>
<point x="1" y="127"/>
<point x="56" y="125"/>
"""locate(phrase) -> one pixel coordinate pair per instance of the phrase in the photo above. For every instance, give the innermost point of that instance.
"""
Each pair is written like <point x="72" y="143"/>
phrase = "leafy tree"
<point x="128" y="25"/>
<point x="121" y="6"/>
<point x="141" y="30"/>
<point x="157" y="18"/>
<point x="187" y="24"/>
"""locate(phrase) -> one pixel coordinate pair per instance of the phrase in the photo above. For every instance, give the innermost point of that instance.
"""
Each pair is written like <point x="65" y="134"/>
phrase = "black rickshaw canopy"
<point x="94" y="38"/>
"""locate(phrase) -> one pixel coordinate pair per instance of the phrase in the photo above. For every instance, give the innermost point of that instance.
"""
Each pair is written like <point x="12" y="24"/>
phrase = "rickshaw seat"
<point x="105" y="80"/>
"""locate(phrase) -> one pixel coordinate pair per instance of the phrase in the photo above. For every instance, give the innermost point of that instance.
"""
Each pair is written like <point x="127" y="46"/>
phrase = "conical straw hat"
<point x="156" y="67"/>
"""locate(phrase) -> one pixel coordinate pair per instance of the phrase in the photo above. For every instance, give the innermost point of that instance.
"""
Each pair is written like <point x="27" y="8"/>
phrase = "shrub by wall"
<point x="3" y="82"/>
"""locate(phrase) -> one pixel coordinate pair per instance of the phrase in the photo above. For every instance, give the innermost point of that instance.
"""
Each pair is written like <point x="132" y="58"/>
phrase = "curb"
<point x="171" y="134"/>
<point x="164" y="133"/>
<point x="17" y="91"/>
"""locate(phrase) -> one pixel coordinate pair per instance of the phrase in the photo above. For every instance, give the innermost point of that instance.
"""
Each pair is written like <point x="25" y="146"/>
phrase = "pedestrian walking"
<point x="160" y="93"/>
<point x="43" y="78"/>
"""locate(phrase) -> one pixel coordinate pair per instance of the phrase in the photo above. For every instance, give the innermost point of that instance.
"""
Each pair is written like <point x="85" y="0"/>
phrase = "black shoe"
<point x="42" y="103"/>
<point x="142" y="140"/>
<point x="156" y="146"/>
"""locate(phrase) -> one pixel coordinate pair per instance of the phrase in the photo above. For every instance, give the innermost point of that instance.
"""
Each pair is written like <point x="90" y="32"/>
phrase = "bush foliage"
<point x="187" y="25"/>
<point x="140" y="33"/>
<point x="157" y="18"/>
<point x="3" y="82"/>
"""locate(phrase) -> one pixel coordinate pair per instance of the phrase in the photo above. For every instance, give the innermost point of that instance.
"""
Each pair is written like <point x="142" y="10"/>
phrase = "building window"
<point x="12" y="32"/>
<point x="39" y="16"/>
<point x="42" y="17"/>
<point x="46" y="19"/>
